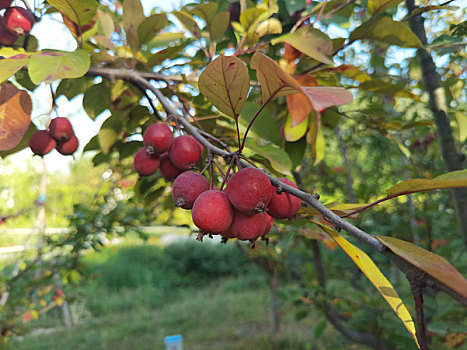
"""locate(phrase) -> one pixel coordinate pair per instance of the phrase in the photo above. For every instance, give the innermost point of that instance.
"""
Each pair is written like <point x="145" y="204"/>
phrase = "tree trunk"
<point x="431" y="79"/>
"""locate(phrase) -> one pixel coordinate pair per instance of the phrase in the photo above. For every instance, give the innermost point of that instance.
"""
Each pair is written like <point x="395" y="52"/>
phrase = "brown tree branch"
<point x="406" y="267"/>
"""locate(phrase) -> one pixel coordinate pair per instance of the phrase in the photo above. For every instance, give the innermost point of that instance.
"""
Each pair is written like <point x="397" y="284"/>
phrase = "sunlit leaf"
<point x="461" y="119"/>
<point x="353" y="72"/>
<point x="226" y="82"/>
<point x="387" y="88"/>
<point x="385" y="30"/>
<point x="429" y="262"/>
<point x="449" y="180"/>
<point x="273" y="79"/>
<point x="311" y="42"/>
<point x="372" y="272"/>
<point x="106" y="23"/>
<point x="9" y="66"/>
<point x="293" y="132"/>
<point x="269" y="26"/>
<point x="278" y="158"/>
<point x="250" y="18"/>
<point x="322" y="97"/>
<point x="377" y="6"/>
<point x="15" y="115"/>
<point x="164" y="39"/>
<point x="81" y="12"/>
<point x="48" y="66"/>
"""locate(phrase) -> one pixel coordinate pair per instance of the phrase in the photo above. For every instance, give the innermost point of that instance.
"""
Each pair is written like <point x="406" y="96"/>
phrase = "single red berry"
<point x="145" y="165"/>
<point x="284" y="205"/>
<point x="6" y="38"/>
<point x="19" y="20"/>
<point x="41" y="143"/>
<point x="185" y="152"/>
<point x="249" y="191"/>
<point x="212" y="212"/>
<point x="249" y="227"/>
<point x="168" y="170"/>
<point x="68" y="147"/>
<point x="59" y="293"/>
<point x="5" y="4"/>
<point x="60" y="129"/>
<point x="228" y="233"/>
<point x="157" y="139"/>
<point x="200" y="145"/>
<point x="187" y="187"/>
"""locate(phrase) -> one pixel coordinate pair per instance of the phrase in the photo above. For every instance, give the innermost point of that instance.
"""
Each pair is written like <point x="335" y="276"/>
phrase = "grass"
<point x="208" y="293"/>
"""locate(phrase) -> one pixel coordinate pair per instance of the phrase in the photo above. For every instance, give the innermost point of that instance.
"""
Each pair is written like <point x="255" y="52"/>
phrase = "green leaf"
<point x="71" y="88"/>
<point x="265" y="126"/>
<point x="420" y="10"/>
<point x="133" y="16"/>
<point x="79" y="11"/>
<point x="109" y="133"/>
<point x="92" y="145"/>
<point x="461" y="119"/>
<point x="219" y="25"/>
<point x="250" y="18"/>
<point x="106" y="23"/>
<point x="296" y="151"/>
<point x="429" y="262"/>
<point x="449" y="180"/>
<point x="273" y="79"/>
<point x="97" y="99"/>
<point x="188" y="22"/>
<point x="316" y="139"/>
<point x="377" y="6"/>
<point x="311" y="42"/>
<point x="226" y="82"/>
<point x="207" y="12"/>
<point x="385" y="30"/>
<point x="47" y="66"/>
<point x="150" y="27"/>
<point x="278" y="158"/>
<point x="9" y="66"/>
<point x="388" y="88"/>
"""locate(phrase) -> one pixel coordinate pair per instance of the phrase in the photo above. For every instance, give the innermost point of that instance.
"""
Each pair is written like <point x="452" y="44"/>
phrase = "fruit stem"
<point x="227" y="173"/>
<point x="270" y="98"/>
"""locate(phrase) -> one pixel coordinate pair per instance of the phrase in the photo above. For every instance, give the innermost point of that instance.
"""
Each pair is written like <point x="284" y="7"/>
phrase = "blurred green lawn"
<point x="209" y="293"/>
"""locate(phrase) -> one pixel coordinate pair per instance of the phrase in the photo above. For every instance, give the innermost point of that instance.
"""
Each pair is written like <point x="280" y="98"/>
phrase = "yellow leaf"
<point x="449" y="180"/>
<point x="273" y="79"/>
<point x="225" y="82"/>
<point x="376" y="277"/>
<point x="42" y="302"/>
<point x="310" y="41"/>
<point x="22" y="265"/>
<point x="427" y="261"/>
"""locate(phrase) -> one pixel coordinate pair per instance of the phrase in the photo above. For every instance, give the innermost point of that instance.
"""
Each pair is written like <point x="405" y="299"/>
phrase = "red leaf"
<point x="322" y="97"/>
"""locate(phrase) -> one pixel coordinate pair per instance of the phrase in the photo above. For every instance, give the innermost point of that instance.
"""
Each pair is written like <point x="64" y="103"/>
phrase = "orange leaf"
<point x="291" y="53"/>
<point x="300" y="105"/>
<point x="15" y="111"/>
<point x="429" y="262"/>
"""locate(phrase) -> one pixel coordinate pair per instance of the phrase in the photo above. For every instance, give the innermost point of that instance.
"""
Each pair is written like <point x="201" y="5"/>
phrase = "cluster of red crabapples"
<point x="60" y="135"/>
<point x="245" y="210"/>
<point x="15" y="21"/>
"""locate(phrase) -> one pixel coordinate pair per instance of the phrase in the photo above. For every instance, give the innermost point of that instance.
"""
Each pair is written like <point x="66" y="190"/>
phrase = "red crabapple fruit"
<point x="212" y="212"/>
<point x="284" y="205"/>
<point x="249" y="191"/>
<point x="185" y="152"/>
<point x="41" y="142"/>
<point x="145" y="165"/>
<point x="157" y="139"/>
<point x="187" y="187"/>
<point x="60" y="129"/>
<point x="19" y="20"/>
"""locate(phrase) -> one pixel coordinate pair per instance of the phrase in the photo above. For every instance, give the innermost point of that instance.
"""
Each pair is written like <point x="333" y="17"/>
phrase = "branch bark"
<point x="311" y="199"/>
<point x="453" y="159"/>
